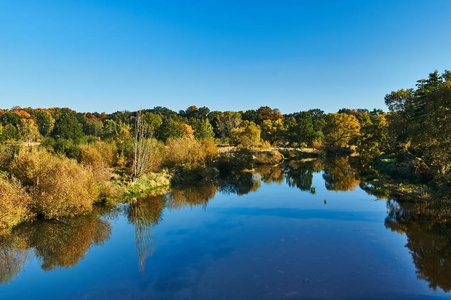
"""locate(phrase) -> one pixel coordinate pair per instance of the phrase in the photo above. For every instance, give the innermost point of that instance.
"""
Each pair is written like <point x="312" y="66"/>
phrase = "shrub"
<point x="64" y="189"/>
<point x="6" y="157"/>
<point x="269" y="158"/>
<point x="189" y="152"/>
<point x="317" y="144"/>
<point x="101" y="184"/>
<point x="27" y="164"/>
<point x="211" y="151"/>
<point x="14" y="202"/>
<point x="59" y="187"/>
<point x="235" y="161"/>
<point x="265" y="145"/>
<point x="98" y="153"/>
<point x="68" y="148"/>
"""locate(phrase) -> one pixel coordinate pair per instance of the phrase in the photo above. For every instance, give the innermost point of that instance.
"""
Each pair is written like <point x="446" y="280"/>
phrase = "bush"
<point x="98" y="153"/>
<point x="68" y="148"/>
<point x="124" y="156"/>
<point x="6" y="157"/>
<point x="265" y="145"/>
<point x="269" y="158"/>
<point x="317" y="144"/>
<point x="235" y="161"/>
<point x="247" y="135"/>
<point x="189" y="152"/>
<point x="102" y="184"/>
<point x="211" y="151"/>
<point x="64" y="189"/>
<point x="14" y="202"/>
<point x="59" y="187"/>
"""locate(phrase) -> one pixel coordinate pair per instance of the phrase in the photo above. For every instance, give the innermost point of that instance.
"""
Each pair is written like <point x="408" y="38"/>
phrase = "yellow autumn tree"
<point x="340" y="129"/>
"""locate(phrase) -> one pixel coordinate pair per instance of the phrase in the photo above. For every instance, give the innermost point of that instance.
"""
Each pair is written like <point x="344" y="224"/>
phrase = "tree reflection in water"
<point x="297" y="175"/>
<point x="145" y="213"/>
<point x="339" y="175"/>
<point x="65" y="243"/>
<point x="429" y="242"/>
<point x="13" y="255"/>
<point x="240" y="183"/>
<point x="191" y="195"/>
<point x="270" y="174"/>
<point x="55" y="243"/>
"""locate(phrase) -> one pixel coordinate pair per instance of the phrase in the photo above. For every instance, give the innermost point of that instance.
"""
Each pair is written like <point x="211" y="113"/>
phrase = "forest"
<point x="57" y="163"/>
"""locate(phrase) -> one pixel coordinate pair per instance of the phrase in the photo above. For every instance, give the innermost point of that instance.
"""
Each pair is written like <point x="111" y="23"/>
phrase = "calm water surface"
<point x="304" y="231"/>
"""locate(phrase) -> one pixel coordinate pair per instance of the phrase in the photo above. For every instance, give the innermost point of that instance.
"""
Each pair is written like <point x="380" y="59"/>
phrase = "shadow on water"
<point x="65" y="243"/>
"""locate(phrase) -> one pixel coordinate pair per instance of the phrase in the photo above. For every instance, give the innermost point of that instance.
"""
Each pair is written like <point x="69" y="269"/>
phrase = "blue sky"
<point x="228" y="55"/>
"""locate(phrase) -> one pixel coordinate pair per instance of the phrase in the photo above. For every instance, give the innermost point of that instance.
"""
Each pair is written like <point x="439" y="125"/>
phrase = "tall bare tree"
<point x="142" y="147"/>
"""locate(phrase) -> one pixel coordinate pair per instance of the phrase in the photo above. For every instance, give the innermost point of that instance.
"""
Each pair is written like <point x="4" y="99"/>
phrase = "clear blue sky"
<point x="228" y="55"/>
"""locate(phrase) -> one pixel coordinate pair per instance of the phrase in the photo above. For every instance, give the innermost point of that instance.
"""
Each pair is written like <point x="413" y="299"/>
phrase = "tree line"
<point x="418" y="122"/>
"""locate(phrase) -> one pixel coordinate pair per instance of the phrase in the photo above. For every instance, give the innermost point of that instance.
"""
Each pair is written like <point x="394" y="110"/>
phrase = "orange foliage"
<point x="21" y="113"/>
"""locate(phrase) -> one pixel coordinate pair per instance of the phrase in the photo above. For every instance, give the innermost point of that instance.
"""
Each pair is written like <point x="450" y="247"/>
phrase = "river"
<point x="307" y="230"/>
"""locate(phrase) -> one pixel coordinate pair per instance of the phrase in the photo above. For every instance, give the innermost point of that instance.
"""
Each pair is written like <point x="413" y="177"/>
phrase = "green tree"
<point x="426" y="119"/>
<point x="168" y="129"/>
<point x="250" y="115"/>
<point x="45" y="123"/>
<point x="109" y="128"/>
<point x="10" y="118"/>
<point x="202" y="129"/>
<point x="153" y="121"/>
<point x="373" y="139"/>
<point x="93" y="127"/>
<point x="290" y="133"/>
<point x="67" y="127"/>
<point x="304" y="128"/>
